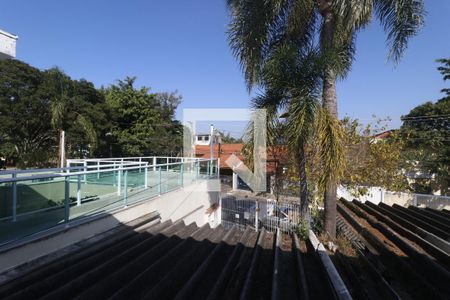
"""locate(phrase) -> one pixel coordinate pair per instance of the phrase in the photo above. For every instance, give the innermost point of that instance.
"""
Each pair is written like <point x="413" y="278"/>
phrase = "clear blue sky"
<point x="182" y="45"/>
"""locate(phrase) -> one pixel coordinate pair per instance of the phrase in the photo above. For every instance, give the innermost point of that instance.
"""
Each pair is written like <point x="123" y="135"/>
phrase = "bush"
<point x="317" y="219"/>
<point x="303" y="230"/>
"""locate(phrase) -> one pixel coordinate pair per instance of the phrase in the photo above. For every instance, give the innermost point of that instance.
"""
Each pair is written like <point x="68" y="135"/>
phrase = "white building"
<point x="7" y="45"/>
<point x="202" y="139"/>
<point x="205" y="139"/>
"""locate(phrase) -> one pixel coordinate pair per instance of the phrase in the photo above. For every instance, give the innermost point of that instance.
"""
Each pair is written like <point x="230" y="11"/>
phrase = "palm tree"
<point x="259" y="28"/>
<point x="60" y="107"/>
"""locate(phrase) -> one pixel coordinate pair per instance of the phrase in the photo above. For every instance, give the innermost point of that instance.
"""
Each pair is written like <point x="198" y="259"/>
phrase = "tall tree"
<point x="293" y="110"/>
<point x="72" y="105"/>
<point x="426" y="130"/>
<point x="143" y="122"/>
<point x="25" y="136"/>
<point x="259" y="28"/>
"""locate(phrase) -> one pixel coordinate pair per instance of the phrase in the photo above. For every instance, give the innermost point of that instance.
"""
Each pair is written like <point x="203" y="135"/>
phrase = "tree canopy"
<point x="36" y="104"/>
<point x="143" y="123"/>
<point x="260" y="30"/>
<point x="426" y="130"/>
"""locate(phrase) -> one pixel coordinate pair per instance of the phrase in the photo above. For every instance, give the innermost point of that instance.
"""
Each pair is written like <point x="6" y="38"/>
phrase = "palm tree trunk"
<point x="303" y="183"/>
<point x="62" y="148"/>
<point x="330" y="104"/>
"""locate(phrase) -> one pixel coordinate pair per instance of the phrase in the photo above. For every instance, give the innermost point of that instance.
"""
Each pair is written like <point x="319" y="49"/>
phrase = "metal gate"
<point x="266" y="213"/>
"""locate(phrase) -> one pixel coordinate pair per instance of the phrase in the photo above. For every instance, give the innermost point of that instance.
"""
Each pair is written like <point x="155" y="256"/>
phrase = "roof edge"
<point x="13" y="36"/>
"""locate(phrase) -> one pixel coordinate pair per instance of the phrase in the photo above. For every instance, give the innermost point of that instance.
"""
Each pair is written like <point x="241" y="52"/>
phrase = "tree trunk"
<point x="329" y="99"/>
<point x="303" y="184"/>
<point x="62" y="148"/>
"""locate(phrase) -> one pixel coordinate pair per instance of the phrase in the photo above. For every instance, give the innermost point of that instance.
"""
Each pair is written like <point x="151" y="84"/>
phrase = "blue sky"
<point x="182" y="45"/>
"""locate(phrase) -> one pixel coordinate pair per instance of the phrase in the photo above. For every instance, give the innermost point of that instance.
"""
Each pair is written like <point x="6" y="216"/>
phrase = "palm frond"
<point x="401" y="19"/>
<point x="354" y="14"/>
<point x="331" y="148"/>
<point x="301" y="121"/>
<point x="257" y="28"/>
<point x="89" y="130"/>
<point x="57" y="111"/>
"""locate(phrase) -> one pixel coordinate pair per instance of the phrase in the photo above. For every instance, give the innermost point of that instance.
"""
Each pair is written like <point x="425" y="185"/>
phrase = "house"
<point x="382" y="135"/>
<point x="7" y="45"/>
<point x="276" y="157"/>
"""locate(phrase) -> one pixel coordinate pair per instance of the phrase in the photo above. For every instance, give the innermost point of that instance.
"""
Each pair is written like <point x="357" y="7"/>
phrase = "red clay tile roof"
<point x="226" y="150"/>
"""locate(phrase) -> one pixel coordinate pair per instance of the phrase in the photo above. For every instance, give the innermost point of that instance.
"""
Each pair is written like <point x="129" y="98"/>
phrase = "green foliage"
<point x="143" y="122"/>
<point x="445" y="71"/>
<point x="371" y="161"/>
<point x="427" y="142"/>
<point x="36" y="105"/>
<point x="303" y="230"/>
<point x="261" y="32"/>
<point x="228" y="139"/>
<point x="259" y="29"/>
<point x="75" y="107"/>
<point x="24" y="102"/>
<point x="317" y="219"/>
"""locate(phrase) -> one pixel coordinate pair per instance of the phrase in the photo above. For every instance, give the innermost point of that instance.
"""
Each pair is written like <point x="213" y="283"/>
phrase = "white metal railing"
<point x="121" y="175"/>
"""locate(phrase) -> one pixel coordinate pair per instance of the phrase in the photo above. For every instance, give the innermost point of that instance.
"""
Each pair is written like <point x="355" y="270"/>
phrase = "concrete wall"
<point x="377" y="195"/>
<point x="190" y="204"/>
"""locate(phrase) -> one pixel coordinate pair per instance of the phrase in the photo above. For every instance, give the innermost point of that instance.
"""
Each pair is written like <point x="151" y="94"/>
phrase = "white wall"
<point x="377" y="195"/>
<point x="7" y="45"/>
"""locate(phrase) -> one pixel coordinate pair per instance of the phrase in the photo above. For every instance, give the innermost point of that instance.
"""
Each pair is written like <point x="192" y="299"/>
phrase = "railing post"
<point x="160" y="183"/>
<point x="85" y="170"/>
<point x="66" y="199"/>
<point x="197" y="169"/>
<point x="218" y="168"/>
<point x="119" y="181"/>
<point x="114" y="173"/>
<point x="125" y="192"/>
<point x="167" y="168"/>
<point x="208" y="166"/>
<point x="79" y="190"/>
<point x="140" y="161"/>
<point x="256" y="214"/>
<point x="146" y="177"/>
<point x="98" y="169"/>
<point x="14" y="197"/>
<point x="181" y="175"/>
<point x="154" y="163"/>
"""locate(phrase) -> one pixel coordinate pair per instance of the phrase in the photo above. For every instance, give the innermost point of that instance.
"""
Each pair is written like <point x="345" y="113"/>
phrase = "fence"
<point x="378" y="194"/>
<point x="266" y="213"/>
<point x="37" y="199"/>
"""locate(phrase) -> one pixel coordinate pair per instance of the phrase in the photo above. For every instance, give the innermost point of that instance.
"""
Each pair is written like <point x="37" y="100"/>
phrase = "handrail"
<point x="136" y="166"/>
<point x="21" y="171"/>
<point x="115" y="167"/>
<point x="74" y="178"/>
